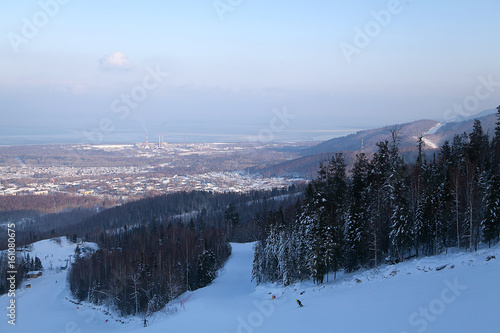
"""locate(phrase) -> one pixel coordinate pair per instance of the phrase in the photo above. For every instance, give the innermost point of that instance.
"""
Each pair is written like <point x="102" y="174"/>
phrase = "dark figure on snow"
<point x="299" y="303"/>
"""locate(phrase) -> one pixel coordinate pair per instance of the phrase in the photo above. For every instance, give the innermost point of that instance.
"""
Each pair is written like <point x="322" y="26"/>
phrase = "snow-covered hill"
<point x="422" y="295"/>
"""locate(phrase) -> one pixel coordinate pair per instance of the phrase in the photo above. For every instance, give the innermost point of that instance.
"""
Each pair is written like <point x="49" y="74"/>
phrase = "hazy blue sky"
<point x="233" y="65"/>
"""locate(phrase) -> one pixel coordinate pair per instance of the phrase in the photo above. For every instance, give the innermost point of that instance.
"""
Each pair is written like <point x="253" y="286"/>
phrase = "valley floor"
<point x="416" y="296"/>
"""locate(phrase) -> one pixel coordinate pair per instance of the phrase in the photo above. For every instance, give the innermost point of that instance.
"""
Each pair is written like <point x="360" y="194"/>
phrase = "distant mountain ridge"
<point x="434" y="134"/>
<point x="366" y="140"/>
<point x="461" y="118"/>
<point x="449" y="130"/>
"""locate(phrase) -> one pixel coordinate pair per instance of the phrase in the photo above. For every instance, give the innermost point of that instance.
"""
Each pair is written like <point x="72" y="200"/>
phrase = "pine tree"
<point x="316" y="257"/>
<point x="491" y="202"/>
<point x="78" y="252"/>
<point x="336" y="197"/>
<point x="356" y="236"/>
<point x="476" y="165"/>
<point x="259" y="268"/>
<point x="401" y="228"/>
<point x="445" y="194"/>
<point x="437" y="206"/>
<point x="301" y="248"/>
<point x="458" y="181"/>
<point x="497" y="128"/>
<point x="442" y="206"/>
<point x="424" y="214"/>
<point x="495" y="145"/>
<point x="401" y="234"/>
<point x="207" y="267"/>
<point x="287" y="258"/>
<point x="38" y="264"/>
<point x="379" y="198"/>
<point x="478" y="148"/>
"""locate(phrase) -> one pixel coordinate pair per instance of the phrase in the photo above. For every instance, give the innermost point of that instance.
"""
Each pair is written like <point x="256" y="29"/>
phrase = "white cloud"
<point x="115" y="61"/>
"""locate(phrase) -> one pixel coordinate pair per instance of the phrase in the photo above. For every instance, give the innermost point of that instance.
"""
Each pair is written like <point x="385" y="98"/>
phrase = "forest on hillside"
<point x="387" y="210"/>
<point x="203" y="208"/>
<point x="139" y="270"/>
<point x="177" y="206"/>
<point x="153" y="250"/>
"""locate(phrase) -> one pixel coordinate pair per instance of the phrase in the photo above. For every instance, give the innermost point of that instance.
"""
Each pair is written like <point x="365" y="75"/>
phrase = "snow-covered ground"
<point x="429" y="143"/>
<point x="434" y="129"/>
<point x="416" y="296"/>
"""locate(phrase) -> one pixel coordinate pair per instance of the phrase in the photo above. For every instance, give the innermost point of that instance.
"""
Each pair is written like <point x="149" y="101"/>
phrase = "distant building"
<point x="34" y="274"/>
<point x="86" y="192"/>
<point x="41" y="192"/>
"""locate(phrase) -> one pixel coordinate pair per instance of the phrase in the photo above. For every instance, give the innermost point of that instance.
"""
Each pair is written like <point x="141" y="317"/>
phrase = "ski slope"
<point x="410" y="297"/>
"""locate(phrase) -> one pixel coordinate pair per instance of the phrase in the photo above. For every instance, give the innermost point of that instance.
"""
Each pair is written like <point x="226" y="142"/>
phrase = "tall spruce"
<point x="356" y="232"/>
<point x="336" y="195"/>
<point x="379" y="209"/>
<point x="458" y="176"/>
<point x="401" y="228"/>
<point x="476" y="165"/>
<point x="495" y="145"/>
<point x="490" y="223"/>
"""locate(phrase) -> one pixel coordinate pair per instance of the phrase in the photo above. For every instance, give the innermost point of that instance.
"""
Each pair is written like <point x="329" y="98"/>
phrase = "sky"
<point x="103" y="71"/>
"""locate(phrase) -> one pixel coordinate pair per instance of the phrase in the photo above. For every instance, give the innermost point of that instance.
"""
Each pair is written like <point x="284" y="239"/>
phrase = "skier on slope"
<point x="299" y="303"/>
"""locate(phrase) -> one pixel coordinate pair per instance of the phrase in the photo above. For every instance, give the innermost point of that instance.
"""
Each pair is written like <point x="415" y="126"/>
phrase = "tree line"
<point x="203" y="207"/>
<point x="387" y="210"/>
<point x="52" y="203"/>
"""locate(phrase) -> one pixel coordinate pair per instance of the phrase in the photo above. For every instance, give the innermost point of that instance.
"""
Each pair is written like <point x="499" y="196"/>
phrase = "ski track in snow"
<point x="434" y="129"/>
<point x="429" y="143"/>
<point x="388" y="299"/>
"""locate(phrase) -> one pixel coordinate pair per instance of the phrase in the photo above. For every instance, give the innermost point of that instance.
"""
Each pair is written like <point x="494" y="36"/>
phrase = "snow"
<point x="434" y="129"/>
<point x="429" y="143"/>
<point x="410" y="297"/>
